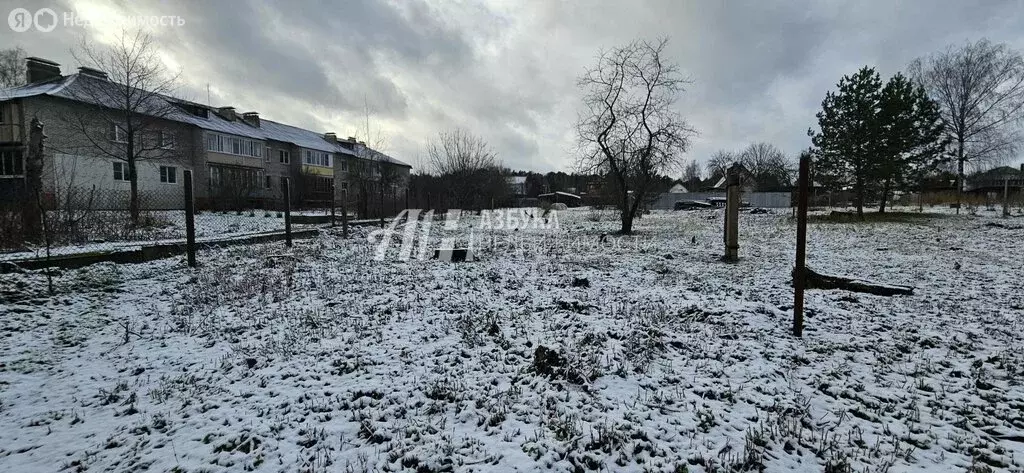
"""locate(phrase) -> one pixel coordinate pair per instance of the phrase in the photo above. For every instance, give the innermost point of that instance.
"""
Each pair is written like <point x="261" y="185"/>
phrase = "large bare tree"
<point x="12" y="67"/>
<point x="629" y="130"/>
<point x="719" y="162"/>
<point x="691" y="172"/>
<point x="372" y="173"/>
<point x="468" y="166"/>
<point x="767" y="164"/>
<point x="125" y="116"/>
<point x="980" y="90"/>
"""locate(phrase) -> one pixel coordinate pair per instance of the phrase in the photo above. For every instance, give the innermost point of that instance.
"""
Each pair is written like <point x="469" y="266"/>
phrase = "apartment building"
<point x="238" y="160"/>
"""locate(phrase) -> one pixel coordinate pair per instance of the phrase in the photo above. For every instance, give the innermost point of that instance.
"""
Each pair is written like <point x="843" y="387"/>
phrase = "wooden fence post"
<point x="190" y="219"/>
<point x="1006" y="197"/>
<point x="800" y="271"/>
<point x="732" y="215"/>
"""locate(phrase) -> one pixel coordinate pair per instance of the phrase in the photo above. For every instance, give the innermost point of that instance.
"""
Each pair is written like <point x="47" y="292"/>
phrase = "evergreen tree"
<point x="847" y="144"/>
<point x="911" y="142"/>
<point x="876" y="139"/>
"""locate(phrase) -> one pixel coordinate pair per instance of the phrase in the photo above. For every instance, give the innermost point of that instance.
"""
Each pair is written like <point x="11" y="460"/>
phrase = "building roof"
<point x="84" y="88"/>
<point x="559" y="193"/>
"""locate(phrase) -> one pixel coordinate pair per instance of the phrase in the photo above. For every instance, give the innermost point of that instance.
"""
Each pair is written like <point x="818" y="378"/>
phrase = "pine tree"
<point x="910" y="140"/>
<point x="847" y="144"/>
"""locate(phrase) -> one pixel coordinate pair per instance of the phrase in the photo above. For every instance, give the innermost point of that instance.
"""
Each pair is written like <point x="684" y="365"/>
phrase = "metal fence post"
<point x="333" y="204"/>
<point x="288" y="212"/>
<point x="344" y="212"/>
<point x="190" y="220"/>
<point x="799" y="272"/>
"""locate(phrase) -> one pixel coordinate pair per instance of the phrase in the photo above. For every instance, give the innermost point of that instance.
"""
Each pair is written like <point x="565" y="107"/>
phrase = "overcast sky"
<point x="507" y="69"/>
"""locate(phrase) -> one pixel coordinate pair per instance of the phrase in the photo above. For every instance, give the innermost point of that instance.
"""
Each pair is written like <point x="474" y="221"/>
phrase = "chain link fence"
<point x="77" y="226"/>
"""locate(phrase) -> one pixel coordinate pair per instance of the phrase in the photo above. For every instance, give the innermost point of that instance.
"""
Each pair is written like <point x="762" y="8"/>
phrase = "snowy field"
<point x="558" y="350"/>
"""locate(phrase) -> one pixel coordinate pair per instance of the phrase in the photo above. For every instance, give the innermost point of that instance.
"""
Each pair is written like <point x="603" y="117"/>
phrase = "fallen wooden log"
<point x="815" y="280"/>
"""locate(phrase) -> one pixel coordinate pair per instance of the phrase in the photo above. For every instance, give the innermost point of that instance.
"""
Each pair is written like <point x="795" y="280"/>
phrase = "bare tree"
<point x="630" y="130"/>
<point x="468" y="166"/>
<point x="12" y="67"/>
<point x="372" y="173"/>
<point x="980" y="90"/>
<point x="719" y="162"/>
<point x="767" y="164"/>
<point x="691" y="172"/>
<point x="126" y="113"/>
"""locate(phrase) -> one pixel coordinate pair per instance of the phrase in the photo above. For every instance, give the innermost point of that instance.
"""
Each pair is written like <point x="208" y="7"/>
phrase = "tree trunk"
<point x="32" y="211"/>
<point x="133" y="202"/>
<point x="959" y="175"/>
<point x="627" y="216"/>
<point x="885" y="196"/>
<point x="860" y="200"/>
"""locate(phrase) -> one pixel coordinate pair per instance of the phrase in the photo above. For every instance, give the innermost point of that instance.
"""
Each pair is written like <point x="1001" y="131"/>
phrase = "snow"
<point x="322" y="358"/>
<point x="169" y="227"/>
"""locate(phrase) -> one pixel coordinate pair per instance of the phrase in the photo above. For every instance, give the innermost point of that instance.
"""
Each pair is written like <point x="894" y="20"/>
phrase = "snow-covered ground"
<point x="164" y="226"/>
<point x="654" y="355"/>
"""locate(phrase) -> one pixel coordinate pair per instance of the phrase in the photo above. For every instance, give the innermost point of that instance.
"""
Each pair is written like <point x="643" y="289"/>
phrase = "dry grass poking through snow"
<point x="654" y="356"/>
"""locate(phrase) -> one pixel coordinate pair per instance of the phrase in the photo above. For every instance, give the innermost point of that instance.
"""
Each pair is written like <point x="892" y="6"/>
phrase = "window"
<point x="237" y="179"/>
<point x="214" y="176"/>
<point x="344" y="187"/>
<point x="317" y="158"/>
<point x="166" y="139"/>
<point x="121" y="171"/>
<point x="168" y="174"/>
<point x="323" y="184"/>
<point x="284" y="157"/>
<point x="11" y="163"/>
<point x="117" y="134"/>
<point x="267" y="182"/>
<point x="228" y="144"/>
<point x="284" y="182"/>
<point x="267" y="155"/>
<point x="344" y="165"/>
<point x="6" y="113"/>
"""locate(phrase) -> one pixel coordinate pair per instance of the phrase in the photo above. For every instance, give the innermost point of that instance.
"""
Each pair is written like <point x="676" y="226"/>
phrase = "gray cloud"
<point x="507" y="70"/>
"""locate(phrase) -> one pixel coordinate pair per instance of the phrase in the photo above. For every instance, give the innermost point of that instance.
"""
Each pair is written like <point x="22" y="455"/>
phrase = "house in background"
<point x="238" y="160"/>
<point x="363" y="174"/>
<point x="79" y="165"/>
<point x="678" y="187"/>
<point x="993" y="183"/>
<point x="516" y="186"/>
<point x="559" y="197"/>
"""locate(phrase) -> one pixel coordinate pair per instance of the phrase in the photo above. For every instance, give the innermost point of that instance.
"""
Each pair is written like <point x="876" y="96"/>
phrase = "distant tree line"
<point x="960" y="107"/>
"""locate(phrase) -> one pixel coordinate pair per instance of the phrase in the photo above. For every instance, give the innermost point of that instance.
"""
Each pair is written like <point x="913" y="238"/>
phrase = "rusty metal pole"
<point x="799" y="272"/>
<point x="732" y="216"/>
<point x="334" y="203"/>
<point x="288" y="213"/>
<point x="190" y="220"/>
<point x="344" y="212"/>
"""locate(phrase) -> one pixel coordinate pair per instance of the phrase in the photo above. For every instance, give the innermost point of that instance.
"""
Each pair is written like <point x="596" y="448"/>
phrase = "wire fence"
<point x="69" y="226"/>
